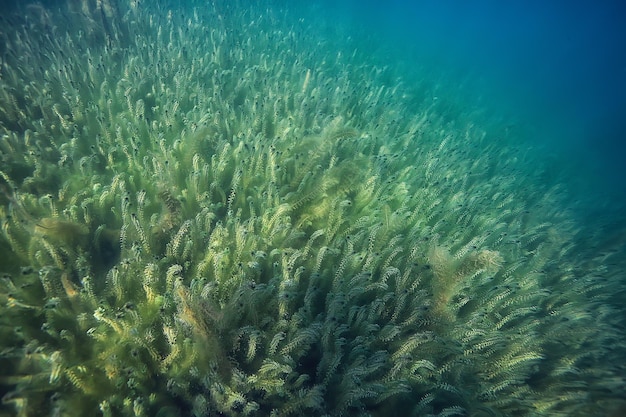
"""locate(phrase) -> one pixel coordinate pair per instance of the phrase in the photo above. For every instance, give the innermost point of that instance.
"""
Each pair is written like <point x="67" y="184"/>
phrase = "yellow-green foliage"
<point x="224" y="210"/>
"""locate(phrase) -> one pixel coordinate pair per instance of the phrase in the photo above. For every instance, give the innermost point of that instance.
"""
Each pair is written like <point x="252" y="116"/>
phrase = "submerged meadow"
<point x="239" y="210"/>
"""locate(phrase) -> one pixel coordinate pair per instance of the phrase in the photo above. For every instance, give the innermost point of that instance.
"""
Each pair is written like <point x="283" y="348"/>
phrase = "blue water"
<point x="556" y="69"/>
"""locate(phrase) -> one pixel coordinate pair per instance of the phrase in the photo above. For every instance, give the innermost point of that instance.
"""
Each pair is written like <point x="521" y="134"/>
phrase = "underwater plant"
<point x="220" y="210"/>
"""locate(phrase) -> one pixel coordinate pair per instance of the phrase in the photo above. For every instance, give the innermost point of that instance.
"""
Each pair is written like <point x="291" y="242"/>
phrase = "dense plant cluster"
<point x="220" y="210"/>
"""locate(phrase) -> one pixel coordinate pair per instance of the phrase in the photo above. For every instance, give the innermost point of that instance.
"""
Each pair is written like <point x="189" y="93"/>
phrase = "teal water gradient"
<point x="557" y="69"/>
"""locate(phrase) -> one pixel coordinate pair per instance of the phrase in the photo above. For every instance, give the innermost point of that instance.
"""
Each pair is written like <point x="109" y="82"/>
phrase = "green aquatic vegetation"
<point x="211" y="214"/>
<point x="65" y="233"/>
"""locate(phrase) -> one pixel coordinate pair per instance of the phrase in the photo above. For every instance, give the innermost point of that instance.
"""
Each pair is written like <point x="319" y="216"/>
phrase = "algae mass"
<point x="232" y="209"/>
